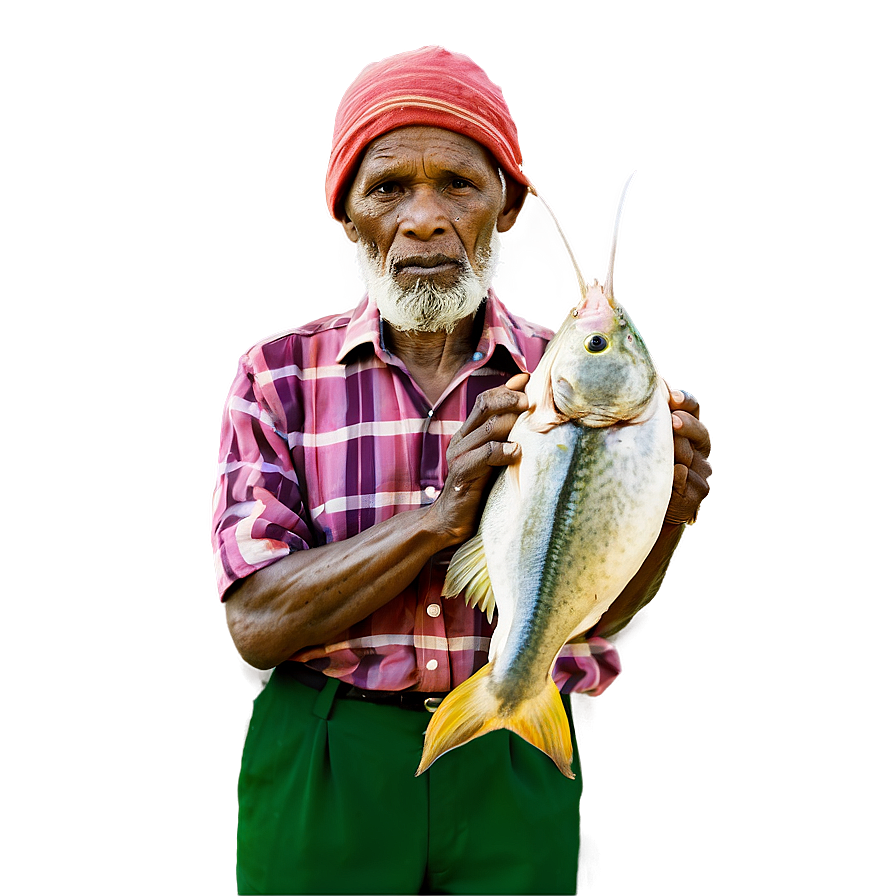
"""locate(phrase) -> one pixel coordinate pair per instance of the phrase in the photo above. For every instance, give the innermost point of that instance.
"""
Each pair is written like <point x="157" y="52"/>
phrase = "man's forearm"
<point x="311" y="596"/>
<point x="645" y="583"/>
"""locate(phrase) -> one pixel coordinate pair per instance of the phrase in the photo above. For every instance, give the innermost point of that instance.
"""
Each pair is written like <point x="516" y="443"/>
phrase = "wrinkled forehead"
<point x="429" y="150"/>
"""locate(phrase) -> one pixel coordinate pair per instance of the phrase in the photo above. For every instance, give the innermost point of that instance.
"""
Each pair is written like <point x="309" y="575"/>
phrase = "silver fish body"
<point x="565" y="528"/>
<point x="562" y="547"/>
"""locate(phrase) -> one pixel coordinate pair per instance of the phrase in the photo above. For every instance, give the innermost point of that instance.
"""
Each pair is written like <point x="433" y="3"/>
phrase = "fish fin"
<point x="468" y="572"/>
<point x="512" y="477"/>
<point x="469" y="711"/>
<point x="544" y="414"/>
<point x="544" y="421"/>
<point x="473" y="709"/>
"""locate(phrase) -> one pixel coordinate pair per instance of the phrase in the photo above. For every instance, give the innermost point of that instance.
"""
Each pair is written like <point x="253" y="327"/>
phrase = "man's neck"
<point x="434" y="359"/>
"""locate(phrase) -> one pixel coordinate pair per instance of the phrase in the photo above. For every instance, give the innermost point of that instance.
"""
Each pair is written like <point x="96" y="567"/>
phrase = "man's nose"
<point x="423" y="214"/>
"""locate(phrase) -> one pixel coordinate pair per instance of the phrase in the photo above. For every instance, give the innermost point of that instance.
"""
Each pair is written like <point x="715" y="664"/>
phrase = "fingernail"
<point x="678" y="396"/>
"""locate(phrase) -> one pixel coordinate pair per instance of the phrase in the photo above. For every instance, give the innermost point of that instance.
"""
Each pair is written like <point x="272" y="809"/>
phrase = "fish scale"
<point x="569" y="506"/>
<point x="573" y="514"/>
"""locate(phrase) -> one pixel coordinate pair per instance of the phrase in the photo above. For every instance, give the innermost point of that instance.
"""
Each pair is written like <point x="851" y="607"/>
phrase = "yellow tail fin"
<point x="472" y="709"/>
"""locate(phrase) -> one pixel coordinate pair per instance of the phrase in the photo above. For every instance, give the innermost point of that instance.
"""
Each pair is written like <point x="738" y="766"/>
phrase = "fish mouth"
<point x="564" y="405"/>
<point x="564" y="399"/>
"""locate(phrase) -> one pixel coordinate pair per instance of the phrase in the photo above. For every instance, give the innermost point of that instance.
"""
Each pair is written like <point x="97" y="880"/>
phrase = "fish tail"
<point x="473" y="709"/>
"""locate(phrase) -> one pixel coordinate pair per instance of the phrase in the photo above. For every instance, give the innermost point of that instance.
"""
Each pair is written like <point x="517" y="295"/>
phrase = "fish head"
<point x="599" y="370"/>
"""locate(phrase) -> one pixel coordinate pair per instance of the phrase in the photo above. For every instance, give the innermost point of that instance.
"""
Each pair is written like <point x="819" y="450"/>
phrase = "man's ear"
<point x="350" y="230"/>
<point x="513" y="205"/>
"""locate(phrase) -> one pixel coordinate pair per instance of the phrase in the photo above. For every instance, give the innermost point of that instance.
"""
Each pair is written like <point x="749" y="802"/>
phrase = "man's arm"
<point x="689" y="488"/>
<point x="311" y="596"/>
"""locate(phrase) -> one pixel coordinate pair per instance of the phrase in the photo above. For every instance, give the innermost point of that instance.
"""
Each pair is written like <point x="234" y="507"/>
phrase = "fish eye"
<point x="596" y="343"/>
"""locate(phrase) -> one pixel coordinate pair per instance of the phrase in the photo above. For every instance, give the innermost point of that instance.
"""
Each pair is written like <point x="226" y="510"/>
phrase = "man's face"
<point x="424" y="208"/>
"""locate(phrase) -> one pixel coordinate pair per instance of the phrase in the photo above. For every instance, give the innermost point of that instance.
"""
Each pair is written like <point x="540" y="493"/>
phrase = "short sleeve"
<point x="258" y="510"/>
<point x="587" y="665"/>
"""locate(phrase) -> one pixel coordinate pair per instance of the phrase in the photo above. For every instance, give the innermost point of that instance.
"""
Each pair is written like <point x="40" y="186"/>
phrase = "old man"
<point x="356" y="452"/>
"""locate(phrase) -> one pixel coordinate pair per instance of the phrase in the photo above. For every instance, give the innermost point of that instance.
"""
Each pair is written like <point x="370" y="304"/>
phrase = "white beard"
<point x="426" y="307"/>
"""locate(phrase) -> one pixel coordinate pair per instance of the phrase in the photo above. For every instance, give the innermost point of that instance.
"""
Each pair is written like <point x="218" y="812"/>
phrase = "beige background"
<point x="162" y="209"/>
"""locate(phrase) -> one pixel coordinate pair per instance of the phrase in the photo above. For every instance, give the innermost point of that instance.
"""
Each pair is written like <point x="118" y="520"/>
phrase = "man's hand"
<point x="692" y="469"/>
<point x="475" y="450"/>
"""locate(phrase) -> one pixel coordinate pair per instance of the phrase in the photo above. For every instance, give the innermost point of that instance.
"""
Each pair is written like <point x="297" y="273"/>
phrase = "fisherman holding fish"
<point x="357" y="454"/>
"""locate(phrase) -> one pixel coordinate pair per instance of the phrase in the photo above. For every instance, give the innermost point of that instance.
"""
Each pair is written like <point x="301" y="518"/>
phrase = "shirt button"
<point x="432" y="665"/>
<point x="430" y="412"/>
<point x="433" y="610"/>
<point x="431" y="491"/>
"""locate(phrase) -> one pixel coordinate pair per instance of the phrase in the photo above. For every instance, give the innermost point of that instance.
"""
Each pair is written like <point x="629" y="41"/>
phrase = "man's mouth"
<point x="424" y="265"/>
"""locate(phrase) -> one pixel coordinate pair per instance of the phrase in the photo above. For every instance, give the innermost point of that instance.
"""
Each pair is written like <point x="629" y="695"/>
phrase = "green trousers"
<point x="329" y="804"/>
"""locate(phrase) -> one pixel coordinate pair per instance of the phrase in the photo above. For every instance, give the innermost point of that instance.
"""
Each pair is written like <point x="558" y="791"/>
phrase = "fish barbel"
<point x="565" y="528"/>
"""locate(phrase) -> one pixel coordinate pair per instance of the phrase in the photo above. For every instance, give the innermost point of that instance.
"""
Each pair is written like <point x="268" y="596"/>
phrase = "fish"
<point x="565" y="527"/>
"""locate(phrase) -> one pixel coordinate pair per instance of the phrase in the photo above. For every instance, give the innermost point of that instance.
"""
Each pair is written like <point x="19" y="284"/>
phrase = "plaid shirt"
<point x="324" y="435"/>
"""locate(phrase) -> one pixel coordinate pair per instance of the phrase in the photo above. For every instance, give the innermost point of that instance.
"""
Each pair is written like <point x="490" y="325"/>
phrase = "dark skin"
<point x="426" y="198"/>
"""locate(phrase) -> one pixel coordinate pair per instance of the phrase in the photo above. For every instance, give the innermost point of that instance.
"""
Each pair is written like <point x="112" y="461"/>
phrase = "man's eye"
<point x="459" y="183"/>
<point x="386" y="189"/>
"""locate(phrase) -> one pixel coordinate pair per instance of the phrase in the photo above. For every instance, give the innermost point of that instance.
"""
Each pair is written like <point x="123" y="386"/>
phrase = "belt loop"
<point x="323" y="705"/>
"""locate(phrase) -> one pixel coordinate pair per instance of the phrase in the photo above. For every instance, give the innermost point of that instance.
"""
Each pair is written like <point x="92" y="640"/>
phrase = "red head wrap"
<point x="429" y="86"/>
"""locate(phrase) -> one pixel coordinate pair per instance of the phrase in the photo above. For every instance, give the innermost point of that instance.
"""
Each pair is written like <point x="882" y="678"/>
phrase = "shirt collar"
<point x="498" y="328"/>
<point x="363" y="327"/>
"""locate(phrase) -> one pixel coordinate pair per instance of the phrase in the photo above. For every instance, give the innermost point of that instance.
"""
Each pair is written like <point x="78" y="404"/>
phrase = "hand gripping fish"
<point x="566" y="527"/>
